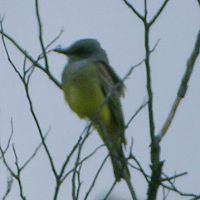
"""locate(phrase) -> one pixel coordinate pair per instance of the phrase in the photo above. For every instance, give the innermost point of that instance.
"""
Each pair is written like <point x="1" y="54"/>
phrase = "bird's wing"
<point x="109" y="80"/>
<point x="108" y="71"/>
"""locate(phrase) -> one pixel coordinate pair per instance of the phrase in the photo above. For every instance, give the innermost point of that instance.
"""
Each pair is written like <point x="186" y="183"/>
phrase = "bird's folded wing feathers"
<point x="106" y="71"/>
<point x="108" y="83"/>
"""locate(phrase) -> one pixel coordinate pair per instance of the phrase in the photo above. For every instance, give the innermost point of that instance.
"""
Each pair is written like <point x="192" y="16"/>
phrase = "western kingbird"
<point x="93" y="90"/>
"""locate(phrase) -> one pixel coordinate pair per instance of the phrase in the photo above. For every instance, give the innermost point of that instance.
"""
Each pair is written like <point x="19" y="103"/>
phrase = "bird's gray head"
<point x="84" y="48"/>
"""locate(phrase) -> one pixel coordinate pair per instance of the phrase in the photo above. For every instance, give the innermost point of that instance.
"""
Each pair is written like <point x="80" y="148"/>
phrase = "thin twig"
<point x="41" y="35"/>
<point x="165" y="194"/>
<point x="173" y="177"/>
<point x="40" y="131"/>
<point x="145" y="11"/>
<point x="41" y="56"/>
<point x="80" y="147"/>
<point x="155" y="46"/>
<point x="79" y="181"/>
<point x="55" y="39"/>
<point x="31" y="106"/>
<point x="130" y="71"/>
<point x="158" y="12"/>
<point x="33" y="154"/>
<point x="95" y="177"/>
<point x="34" y="62"/>
<point x="81" y="162"/>
<point x="8" y="188"/>
<point x="18" y="174"/>
<point x="85" y="131"/>
<point x="110" y="190"/>
<point x="140" y="168"/>
<point x="3" y="152"/>
<point x="174" y="189"/>
<point x="135" y="114"/>
<point x="146" y="176"/>
<point x="134" y="10"/>
<point x="10" y="137"/>
<point x="61" y="176"/>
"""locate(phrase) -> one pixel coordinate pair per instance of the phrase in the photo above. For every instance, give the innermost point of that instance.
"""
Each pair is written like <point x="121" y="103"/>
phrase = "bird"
<point x="93" y="90"/>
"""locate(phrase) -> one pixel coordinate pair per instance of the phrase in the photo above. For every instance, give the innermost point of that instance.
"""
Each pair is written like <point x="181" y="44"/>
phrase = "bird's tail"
<point x="114" y="144"/>
<point x="119" y="163"/>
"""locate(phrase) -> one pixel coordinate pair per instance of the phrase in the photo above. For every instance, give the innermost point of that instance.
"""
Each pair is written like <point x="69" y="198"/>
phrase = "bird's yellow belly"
<point x="86" y="99"/>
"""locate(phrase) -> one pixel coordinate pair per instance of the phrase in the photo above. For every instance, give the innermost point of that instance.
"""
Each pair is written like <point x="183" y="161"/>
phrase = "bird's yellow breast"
<point x="85" y="97"/>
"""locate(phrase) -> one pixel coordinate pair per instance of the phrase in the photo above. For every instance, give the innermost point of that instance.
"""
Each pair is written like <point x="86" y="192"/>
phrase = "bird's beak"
<point x="62" y="50"/>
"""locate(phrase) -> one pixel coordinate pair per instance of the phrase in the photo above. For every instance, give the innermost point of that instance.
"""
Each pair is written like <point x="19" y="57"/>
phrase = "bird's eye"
<point x="83" y="51"/>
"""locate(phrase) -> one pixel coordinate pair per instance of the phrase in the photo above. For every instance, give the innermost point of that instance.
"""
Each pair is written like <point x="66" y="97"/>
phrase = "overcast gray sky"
<point x="120" y="33"/>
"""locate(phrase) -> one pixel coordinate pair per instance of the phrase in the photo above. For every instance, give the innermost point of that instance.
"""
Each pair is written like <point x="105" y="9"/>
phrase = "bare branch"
<point x="156" y="164"/>
<point x="61" y="176"/>
<point x="145" y="10"/>
<point x="134" y="10"/>
<point x="173" y="177"/>
<point x="79" y="181"/>
<point x="41" y="35"/>
<point x="31" y="106"/>
<point x="140" y="168"/>
<point x="110" y="190"/>
<point x="34" y="62"/>
<point x="149" y="85"/>
<point x="182" y="89"/>
<point x="95" y="178"/>
<point x="41" y="56"/>
<point x="8" y="56"/>
<point x="80" y="147"/>
<point x="81" y="162"/>
<point x="158" y="12"/>
<point x="17" y="175"/>
<point x="165" y="193"/>
<point x="42" y="137"/>
<point x="135" y="114"/>
<point x="33" y="154"/>
<point x="8" y="188"/>
<point x="84" y="134"/>
<point x="55" y="39"/>
<point x="3" y="152"/>
<point x="174" y="189"/>
<point x="170" y="118"/>
<point x="155" y="46"/>
<point x="9" y="139"/>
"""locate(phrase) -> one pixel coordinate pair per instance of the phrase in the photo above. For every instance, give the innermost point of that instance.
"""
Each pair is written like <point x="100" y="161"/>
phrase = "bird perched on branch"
<point x="93" y="90"/>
